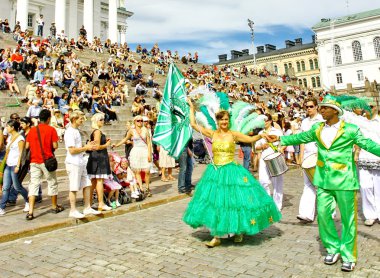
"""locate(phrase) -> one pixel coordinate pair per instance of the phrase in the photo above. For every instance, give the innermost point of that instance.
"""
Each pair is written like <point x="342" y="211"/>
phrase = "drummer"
<point x="306" y="210"/>
<point x="265" y="178"/>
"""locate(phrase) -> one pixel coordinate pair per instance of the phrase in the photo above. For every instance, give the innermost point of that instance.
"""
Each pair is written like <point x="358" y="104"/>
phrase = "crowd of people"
<point x="61" y="88"/>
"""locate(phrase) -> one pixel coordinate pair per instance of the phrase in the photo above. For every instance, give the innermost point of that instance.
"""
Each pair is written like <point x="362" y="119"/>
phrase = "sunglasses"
<point x="139" y="121"/>
<point x="372" y="106"/>
<point x="15" y="118"/>
<point x="101" y="120"/>
<point x="310" y="106"/>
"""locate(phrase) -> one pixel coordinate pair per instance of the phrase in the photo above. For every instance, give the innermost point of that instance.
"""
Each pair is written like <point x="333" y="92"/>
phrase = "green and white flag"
<point x="173" y="130"/>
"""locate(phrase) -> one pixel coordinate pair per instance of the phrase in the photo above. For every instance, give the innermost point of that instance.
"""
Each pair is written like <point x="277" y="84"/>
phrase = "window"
<point x="298" y="66"/>
<point x="303" y="65"/>
<point x="300" y="82"/>
<point x="357" y="51"/>
<point x="339" y="78"/>
<point x="360" y="75"/>
<point x="30" y="20"/>
<point x="275" y="69"/>
<point x="305" y="82"/>
<point x="290" y="65"/>
<point x="311" y="64"/>
<point x="318" y="81"/>
<point x="286" y="68"/>
<point x="376" y="44"/>
<point x="313" y="83"/>
<point x="316" y="65"/>
<point x="337" y="55"/>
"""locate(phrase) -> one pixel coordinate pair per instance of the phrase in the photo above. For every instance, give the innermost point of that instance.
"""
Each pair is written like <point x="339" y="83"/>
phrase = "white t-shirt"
<point x="14" y="151"/>
<point x="73" y="139"/>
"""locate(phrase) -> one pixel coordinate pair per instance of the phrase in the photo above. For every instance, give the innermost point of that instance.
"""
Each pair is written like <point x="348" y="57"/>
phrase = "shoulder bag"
<point x="51" y="163"/>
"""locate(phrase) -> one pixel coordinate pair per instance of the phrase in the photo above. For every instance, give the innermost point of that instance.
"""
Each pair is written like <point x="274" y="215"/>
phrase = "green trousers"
<point x="346" y="200"/>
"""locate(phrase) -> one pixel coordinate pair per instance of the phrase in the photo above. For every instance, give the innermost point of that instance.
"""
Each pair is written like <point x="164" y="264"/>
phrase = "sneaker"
<point x="369" y="222"/>
<point x="304" y="219"/>
<point x="2" y="212"/>
<point x="331" y="258"/>
<point x="134" y="195"/>
<point x="76" y="214"/>
<point x="92" y="211"/>
<point x="105" y="208"/>
<point x="118" y="204"/>
<point x="348" y="266"/>
<point x="113" y="205"/>
<point x="26" y="208"/>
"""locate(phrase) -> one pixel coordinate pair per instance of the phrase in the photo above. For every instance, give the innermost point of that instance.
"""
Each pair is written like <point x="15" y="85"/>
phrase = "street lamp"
<point x="251" y="26"/>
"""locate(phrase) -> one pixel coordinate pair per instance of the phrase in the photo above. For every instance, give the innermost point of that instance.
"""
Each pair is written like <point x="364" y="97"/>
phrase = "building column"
<point x="60" y="15"/>
<point x="22" y="13"/>
<point x="112" y="21"/>
<point x="88" y="18"/>
<point x="73" y="19"/>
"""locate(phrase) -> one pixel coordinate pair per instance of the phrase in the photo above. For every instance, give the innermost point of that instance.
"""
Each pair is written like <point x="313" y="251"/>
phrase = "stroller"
<point x="200" y="152"/>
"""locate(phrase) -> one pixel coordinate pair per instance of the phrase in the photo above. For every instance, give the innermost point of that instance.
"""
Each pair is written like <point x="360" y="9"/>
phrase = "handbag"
<point x="4" y="161"/>
<point x="51" y="163"/>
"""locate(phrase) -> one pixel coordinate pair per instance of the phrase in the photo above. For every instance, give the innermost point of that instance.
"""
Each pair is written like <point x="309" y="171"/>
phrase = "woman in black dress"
<point x="98" y="166"/>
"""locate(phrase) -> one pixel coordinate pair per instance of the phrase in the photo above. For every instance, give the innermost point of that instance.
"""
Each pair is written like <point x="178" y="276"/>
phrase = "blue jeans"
<point x="185" y="172"/>
<point x="11" y="177"/>
<point x="40" y="29"/>
<point x="13" y="194"/>
<point x="247" y="156"/>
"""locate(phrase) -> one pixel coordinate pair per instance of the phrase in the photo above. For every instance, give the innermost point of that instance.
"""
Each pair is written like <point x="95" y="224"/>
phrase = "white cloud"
<point x="209" y="23"/>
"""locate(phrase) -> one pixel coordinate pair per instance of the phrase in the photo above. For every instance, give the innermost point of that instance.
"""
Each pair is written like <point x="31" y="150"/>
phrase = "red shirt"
<point x="48" y="136"/>
<point x="17" y="57"/>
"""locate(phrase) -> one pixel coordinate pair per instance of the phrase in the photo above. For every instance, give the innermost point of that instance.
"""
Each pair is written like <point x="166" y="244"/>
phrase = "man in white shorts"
<point x="76" y="166"/>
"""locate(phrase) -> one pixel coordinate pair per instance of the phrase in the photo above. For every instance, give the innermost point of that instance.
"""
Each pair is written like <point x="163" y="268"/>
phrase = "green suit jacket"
<point x="336" y="168"/>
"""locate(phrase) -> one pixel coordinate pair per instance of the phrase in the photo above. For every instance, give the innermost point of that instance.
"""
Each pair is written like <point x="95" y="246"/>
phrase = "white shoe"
<point x="134" y="195"/>
<point x="369" y="222"/>
<point x="105" y="208"/>
<point x="90" y="210"/>
<point x="76" y="214"/>
<point x="118" y="204"/>
<point x="26" y="208"/>
<point x="2" y="212"/>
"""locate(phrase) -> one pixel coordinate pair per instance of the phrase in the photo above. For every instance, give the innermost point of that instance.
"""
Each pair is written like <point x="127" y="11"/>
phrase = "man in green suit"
<point x="336" y="178"/>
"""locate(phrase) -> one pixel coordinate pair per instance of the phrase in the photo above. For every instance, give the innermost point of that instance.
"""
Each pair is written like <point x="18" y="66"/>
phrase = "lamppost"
<point x="251" y="26"/>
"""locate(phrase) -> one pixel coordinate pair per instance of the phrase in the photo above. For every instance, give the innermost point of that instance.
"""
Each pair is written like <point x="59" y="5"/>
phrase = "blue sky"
<point x="214" y="27"/>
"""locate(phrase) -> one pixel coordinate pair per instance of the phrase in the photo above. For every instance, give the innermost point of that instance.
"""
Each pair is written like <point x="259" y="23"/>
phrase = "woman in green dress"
<point x="228" y="199"/>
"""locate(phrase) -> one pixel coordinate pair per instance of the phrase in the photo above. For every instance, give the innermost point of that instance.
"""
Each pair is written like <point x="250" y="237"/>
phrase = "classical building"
<point x="297" y="60"/>
<point x="349" y="50"/>
<point x="101" y="18"/>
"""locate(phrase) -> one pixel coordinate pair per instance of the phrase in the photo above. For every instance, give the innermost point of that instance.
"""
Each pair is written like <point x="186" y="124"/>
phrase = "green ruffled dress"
<point x="228" y="199"/>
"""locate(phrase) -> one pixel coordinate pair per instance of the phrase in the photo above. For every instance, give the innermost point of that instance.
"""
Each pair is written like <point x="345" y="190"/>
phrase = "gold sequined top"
<point x="224" y="152"/>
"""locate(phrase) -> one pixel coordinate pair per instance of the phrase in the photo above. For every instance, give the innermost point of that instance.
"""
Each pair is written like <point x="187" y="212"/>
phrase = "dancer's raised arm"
<point x="205" y="131"/>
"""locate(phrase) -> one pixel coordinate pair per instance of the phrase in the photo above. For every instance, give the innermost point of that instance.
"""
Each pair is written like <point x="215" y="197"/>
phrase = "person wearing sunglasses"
<point x="306" y="210"/>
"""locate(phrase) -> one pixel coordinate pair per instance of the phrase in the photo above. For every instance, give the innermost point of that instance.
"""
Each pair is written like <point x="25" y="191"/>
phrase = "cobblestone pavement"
<point x="156" y="243"/>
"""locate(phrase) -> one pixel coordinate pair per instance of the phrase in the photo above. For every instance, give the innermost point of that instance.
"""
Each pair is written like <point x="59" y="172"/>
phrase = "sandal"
<point x="172" y="179"/>
<point x="164" y="179"/>
<point x="148" y="193"/>
<point x="29" y="216"/>
<point x="57" y="209"/>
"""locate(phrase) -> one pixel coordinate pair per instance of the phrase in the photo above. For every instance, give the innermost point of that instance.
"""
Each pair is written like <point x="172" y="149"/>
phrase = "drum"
<point x="276" y="164"/>
<point x="308" y="165"/>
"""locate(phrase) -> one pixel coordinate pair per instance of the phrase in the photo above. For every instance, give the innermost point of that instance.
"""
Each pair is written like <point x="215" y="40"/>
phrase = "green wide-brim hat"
<point x="330" y="101"/>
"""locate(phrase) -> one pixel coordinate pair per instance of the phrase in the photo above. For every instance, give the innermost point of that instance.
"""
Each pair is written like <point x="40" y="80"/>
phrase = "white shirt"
<point x="374" y="124"/>
<point x="306" y="125"/>
<point x="268" y="151"/>
<point x="73" y="139"/>
<point x="14" y="151"/>
<point x="57" y="75"/>
<point x="329" y="133"/>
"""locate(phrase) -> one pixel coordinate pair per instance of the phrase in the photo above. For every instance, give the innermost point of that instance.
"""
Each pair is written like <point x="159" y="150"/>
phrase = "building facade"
<point x="101" y="18"/>
<point x="297" y="60"/>
<point x="349" y="50"/>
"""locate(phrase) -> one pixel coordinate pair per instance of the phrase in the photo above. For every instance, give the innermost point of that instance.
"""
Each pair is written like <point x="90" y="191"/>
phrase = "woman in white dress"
<point x="140" y="156"/>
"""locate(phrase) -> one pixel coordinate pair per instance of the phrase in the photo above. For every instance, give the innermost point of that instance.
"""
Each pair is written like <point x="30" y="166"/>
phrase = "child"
<point x="125" y="174"/>
<point x="112" y="184"/>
